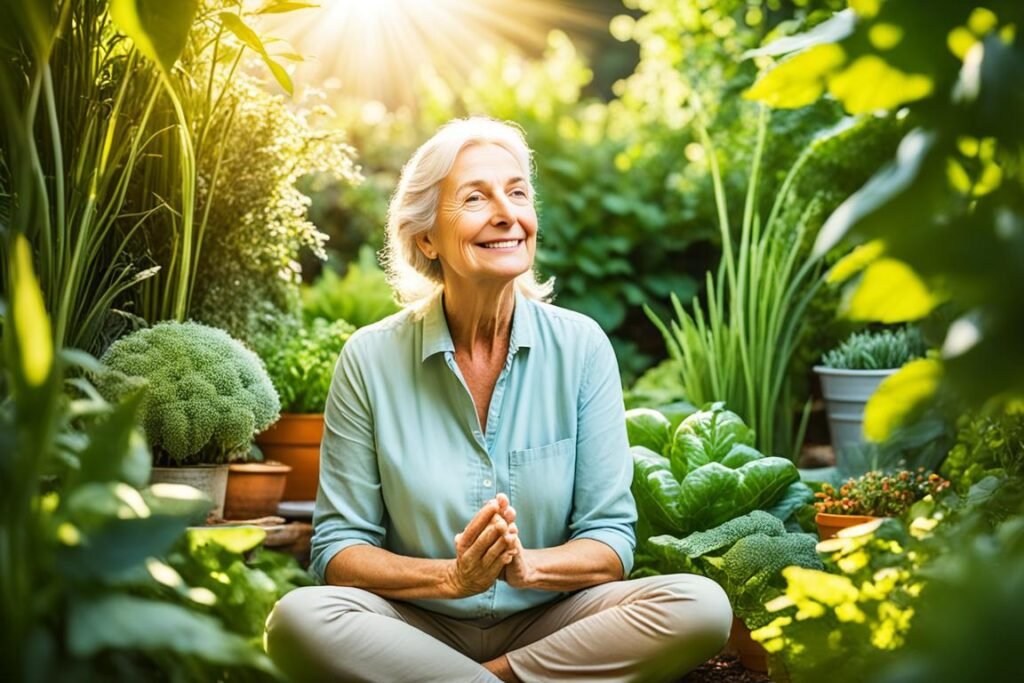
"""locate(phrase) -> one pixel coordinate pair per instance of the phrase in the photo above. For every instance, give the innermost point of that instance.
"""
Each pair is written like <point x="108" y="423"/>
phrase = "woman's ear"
<point x="426" y="246"/>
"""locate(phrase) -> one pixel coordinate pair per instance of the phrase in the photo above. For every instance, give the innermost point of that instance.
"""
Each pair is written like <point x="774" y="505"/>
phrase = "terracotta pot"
<point x="751" y="653"/>
<point x="829" y="525"/>
<point x="294" y="440"/>
<point x="210" y="479"/>
<point x="254" y="489"/>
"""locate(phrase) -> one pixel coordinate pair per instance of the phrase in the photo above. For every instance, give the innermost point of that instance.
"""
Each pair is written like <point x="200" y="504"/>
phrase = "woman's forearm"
<point x="392" y="576"/>
<point x="574" y="565"/>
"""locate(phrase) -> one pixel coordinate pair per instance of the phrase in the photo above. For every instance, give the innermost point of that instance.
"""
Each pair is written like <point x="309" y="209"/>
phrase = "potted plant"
<point x="871" y="496"/>
<point x="255" y="487"/>
<point x="851" y="373"/>
<point x="207" y="396"/>
<point x="300" y="361"/>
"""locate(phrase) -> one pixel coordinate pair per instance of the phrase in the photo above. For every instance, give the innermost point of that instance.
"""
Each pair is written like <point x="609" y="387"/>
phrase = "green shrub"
<point x="301" y="360"/>
<point x="207" y="395"/>
<point x="882" y="350"/>
<point x="985" y="445"/>
<point x="362" y="297"/>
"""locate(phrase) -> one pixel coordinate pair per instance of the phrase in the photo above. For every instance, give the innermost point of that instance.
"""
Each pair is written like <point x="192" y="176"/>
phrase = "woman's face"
<point x="486" y="226"/>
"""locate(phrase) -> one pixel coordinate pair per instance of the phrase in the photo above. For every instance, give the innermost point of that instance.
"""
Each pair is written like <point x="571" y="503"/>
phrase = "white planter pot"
<point x="846" y="393"/>
<point x="212" y="480"/>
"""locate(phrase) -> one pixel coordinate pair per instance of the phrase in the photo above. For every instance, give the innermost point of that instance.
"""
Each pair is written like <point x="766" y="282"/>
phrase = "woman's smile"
<point x="502" y="246"/>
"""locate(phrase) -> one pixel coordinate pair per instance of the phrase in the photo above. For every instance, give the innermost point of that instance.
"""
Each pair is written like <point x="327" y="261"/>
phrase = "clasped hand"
<point x="488" y="549"/>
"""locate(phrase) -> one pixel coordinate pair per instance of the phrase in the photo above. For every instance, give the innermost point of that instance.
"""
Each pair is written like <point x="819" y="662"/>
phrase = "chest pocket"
<point x="540" y="488"/>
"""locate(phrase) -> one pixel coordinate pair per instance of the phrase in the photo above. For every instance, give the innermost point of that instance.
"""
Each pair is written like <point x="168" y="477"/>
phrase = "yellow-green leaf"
<point x="870" y="84"/>
<point x="899" y="396"/>
<point x="866" y="8"/>
<point x="237" y="539"/>
<point x="799" y="80"/>
<point x="31" y="326"/>
<point x="280" y="75"/>
<point x="234" y="23"/>
<point x="890" y="292"/>
<point x="159" y="28"/>
<point x="885" y="36"/>
<point x="282" y="6"/>
<point x="857" y="260"/>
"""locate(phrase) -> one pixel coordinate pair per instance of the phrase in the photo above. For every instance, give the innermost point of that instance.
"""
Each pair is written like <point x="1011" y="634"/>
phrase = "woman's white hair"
<point x="416" y="279"/>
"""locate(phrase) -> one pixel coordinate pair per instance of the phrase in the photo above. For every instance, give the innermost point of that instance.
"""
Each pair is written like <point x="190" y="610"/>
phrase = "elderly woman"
<point x="474" y="520"/>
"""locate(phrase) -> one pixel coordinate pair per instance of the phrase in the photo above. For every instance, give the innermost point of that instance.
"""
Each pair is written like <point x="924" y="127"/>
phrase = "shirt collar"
<point x="437" y="338"/>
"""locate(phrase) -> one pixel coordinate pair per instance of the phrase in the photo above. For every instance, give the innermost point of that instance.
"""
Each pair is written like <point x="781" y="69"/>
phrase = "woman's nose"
<point x="502" y="210"/>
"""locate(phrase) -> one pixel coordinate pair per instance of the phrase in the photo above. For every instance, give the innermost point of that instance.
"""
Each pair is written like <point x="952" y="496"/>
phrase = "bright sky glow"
<point x="375" y="49"/>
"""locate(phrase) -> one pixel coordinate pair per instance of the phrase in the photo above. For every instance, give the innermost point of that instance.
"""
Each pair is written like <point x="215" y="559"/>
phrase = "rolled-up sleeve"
<point x="349" y="506"/>
<point x="603" y="506"/>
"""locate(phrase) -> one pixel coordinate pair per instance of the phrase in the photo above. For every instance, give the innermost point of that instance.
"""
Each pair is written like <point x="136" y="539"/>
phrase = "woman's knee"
<point x="694" y="607"/>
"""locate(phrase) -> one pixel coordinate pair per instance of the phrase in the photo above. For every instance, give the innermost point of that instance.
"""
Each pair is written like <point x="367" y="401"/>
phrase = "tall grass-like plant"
<point x="739" y="351"/>
<point x="106" y="105"/>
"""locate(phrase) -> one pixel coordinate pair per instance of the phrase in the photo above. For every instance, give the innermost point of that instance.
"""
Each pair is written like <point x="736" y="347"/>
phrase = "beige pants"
<point x="604" y="633"/>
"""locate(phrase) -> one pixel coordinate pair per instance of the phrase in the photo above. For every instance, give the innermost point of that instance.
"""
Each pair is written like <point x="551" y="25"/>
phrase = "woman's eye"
<point x="474" y="198"/>
<point x="519" y="193"/>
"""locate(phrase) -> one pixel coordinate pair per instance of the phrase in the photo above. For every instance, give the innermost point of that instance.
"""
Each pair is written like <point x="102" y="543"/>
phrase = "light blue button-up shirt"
<point x="405" y="464"/>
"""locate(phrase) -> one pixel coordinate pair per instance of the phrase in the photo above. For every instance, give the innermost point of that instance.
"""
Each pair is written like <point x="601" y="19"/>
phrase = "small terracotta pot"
<point x="829" y="525"/>
<point x="254" y="489"/>
<point x="210" y="479"/>
<point x="294" y="440"/>
<point x="751" y="653"/>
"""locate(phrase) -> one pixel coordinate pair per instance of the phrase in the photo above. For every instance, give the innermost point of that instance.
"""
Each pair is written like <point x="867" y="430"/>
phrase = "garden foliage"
<point x="881" y="350"/>
<point x="207" y="395"/>
<point x="84" y="594"/>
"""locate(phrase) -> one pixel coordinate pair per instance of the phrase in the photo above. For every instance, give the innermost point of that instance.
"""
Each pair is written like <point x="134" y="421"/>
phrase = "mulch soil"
<point x="724" y="668"/>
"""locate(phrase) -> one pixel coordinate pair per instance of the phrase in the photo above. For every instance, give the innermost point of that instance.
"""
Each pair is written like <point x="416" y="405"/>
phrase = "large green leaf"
<point x="797" y="495"/>
<point x="234" y="23"/>
<point x="648" y="428"/>
<point x="899" y="396"/>
<point x="707" y="436"/>
<point x="890" y="292"/>
<point x="124" y="622"/>
<point x="159" y="28"/>
<point x="115" y="450"/>
<point x="656" y="491"/>
<point x="713" y="493"/>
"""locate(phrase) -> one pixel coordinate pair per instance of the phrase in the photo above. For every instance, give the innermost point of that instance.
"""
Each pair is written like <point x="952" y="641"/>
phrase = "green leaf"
<point x="900" y="396"/>
<point x="871" y="84"/>
<point x="833" y="30"/>
<point x="124" y="622"/>
<point x="115" y="451"/>
<point x="234" y="23"/>
<point x="28" y="313"/>
<point x="657" y="493"/>
<point x="890" y="292"/>
<point x="799" y="80"/>
<point x="740" y="455"/>
<point x="236" y="539"/>
<point x="282" y="6"/>
<point x="713" y="494"/>
<point x="648" y="428"/>
<point x="795" y="497"/>
<point x="159" y="28"/>
<point x="892" y="181"/>
<point x="707" y="436"/>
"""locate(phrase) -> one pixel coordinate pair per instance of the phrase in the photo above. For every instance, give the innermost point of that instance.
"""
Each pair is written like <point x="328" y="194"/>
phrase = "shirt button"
<point x="487" y="482"/>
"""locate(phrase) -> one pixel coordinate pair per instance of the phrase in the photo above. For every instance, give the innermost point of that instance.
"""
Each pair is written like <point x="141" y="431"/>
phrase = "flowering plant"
<point x="879" y="494"/>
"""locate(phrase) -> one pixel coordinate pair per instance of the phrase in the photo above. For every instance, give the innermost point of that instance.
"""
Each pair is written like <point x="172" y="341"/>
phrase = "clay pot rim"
<point x="201" y="466"/>
<point x="269" y="467"/>
<point x="301" y="416"/>
<point x="832" y="516"/>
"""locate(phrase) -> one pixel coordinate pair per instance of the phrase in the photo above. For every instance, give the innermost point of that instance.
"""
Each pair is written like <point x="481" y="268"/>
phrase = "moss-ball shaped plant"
<point x="207" y="395"/>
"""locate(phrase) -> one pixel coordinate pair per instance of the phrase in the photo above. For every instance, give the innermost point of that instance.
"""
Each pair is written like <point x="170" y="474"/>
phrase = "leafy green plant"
<point x="82" y="593"/>
<point x="878" y="494"/>
<point x="740" y="350"/>
<point x="895" y="604"/>
<point x="957" y="174"/>
<point x="207" y="394"/>
<point x="362" y="297"/>
<point x="301" y="360"/>
<point x="709" y="475"/>
<point x="986" y="445"/>
<point x="881" y="350"/>
<point x="744" y="555"/>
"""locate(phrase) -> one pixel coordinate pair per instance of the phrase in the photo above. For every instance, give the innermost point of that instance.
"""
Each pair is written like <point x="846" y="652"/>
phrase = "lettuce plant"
<point x="705" y="474"/>
<point x="301" y="362"/>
